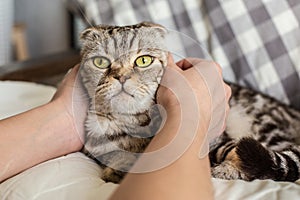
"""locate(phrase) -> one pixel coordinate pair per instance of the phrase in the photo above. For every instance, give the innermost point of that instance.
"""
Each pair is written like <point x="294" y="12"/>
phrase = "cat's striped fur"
<point x="259" y="141"/>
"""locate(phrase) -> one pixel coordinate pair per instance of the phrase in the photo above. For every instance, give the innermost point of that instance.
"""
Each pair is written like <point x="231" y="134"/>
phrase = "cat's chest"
<point x="238" y="123"/>
<point x="244" y="106"/>
<point x="106" y="125"/>
<point x="251" y="113"/>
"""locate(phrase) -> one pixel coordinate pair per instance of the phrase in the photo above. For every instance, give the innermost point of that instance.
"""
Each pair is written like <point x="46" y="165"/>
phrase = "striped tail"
<point x="257" y="162"/>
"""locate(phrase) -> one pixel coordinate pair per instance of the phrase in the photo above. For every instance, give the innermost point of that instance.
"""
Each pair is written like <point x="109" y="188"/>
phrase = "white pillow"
<point x="17" y="97"/>
<point x="74" y="176"/>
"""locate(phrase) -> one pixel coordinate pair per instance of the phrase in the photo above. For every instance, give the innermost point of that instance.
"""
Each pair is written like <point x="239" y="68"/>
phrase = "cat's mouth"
<point x="123" y="92"/>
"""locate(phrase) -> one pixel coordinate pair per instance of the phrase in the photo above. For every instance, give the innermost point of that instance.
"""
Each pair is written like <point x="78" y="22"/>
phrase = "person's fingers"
<point x="75" y="70"/>
<point x="171" y="63"/>
<point x="219" y="68"/>
<point x="226" y="87"/>
<point x="70" y="76"/>
<point x="227" y="91"/>
<point x="228" y="95"/>
<point x="184" y="64"/>
<point x="72" y="73"/>
<point x="188" y="63"/>
<point x="226" y="114"/>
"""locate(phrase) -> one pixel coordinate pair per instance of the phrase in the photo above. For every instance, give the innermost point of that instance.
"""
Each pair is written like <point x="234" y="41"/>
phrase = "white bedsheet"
<point x="76" y="177"/>
<point x="17" y="97"/>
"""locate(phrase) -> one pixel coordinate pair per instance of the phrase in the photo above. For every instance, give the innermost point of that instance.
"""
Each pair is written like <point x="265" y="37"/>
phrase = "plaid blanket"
<point x="256" y="42"/>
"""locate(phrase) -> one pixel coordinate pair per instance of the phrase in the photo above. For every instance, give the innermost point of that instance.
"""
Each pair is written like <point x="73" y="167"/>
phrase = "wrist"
<point x="191" y="127"/>
<point x="66" y="128"/>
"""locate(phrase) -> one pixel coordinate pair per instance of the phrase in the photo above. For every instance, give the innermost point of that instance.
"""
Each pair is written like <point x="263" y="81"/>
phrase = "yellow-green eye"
<point x="144" y="61"/>
<point x="101" y="62"/>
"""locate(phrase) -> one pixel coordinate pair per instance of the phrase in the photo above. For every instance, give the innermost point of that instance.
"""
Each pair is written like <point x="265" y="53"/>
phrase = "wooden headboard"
<point x="47" y="70"/>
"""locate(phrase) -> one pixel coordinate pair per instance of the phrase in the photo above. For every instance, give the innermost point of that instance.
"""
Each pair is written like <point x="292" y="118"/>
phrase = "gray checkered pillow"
<point x="257" y="42"/>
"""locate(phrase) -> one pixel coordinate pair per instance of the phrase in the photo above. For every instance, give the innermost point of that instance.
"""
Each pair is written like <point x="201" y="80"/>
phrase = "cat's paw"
<point x="255" y="160"/>
<point x="227" y="170"/>
<point x="112" y="175"/>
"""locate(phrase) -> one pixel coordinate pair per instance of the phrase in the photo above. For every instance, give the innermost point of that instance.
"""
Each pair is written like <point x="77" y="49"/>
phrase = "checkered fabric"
<point x="257" y="42"/>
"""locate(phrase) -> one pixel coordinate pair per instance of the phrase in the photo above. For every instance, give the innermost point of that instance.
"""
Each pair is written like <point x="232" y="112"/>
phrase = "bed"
<point x="256" y="42"/>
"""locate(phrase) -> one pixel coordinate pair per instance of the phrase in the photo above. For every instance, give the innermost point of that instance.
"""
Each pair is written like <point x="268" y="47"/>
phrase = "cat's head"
<point x="122" y="66"/>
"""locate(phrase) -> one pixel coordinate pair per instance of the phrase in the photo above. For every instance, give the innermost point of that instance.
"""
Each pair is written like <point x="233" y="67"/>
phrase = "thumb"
<point x="172" y="64"/>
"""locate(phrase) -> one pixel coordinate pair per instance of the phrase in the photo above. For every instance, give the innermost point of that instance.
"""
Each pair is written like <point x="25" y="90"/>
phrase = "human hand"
<point x="195" y="88"/>
<point x="71" y="98"/>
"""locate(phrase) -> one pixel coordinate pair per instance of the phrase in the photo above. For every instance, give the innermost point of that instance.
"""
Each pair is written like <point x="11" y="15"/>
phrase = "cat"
<point x="121" y="70"/>
<point x="261" y="139"/>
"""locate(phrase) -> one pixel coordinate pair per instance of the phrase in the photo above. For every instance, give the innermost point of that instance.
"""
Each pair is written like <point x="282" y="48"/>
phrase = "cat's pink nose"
<point x="122" y="78"/>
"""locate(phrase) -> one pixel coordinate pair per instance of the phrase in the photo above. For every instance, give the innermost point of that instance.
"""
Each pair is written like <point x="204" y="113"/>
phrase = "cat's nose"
<point x="121" y="78"/>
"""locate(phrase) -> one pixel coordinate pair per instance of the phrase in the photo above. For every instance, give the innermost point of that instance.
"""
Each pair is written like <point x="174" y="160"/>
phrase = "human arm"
<point x="188" y="177"/>
<point x="40" y="134"/>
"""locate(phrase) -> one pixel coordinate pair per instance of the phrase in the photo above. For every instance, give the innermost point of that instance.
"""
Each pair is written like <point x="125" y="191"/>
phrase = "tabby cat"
<point x="121" y="71"/>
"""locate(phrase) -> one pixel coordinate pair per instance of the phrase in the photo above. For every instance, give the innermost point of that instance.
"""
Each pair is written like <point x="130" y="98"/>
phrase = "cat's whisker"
<point x="95" y="112"/>
<point x="137" y="89"/>
<point x="83" y="14"/>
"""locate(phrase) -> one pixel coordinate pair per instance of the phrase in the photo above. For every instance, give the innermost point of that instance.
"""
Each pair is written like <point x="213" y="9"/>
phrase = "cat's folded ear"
<point x="90" y="34"/>
<point x="158" y="27"/>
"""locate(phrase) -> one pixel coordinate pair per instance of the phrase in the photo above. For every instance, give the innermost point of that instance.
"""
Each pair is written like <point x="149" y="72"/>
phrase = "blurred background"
<point x="256" y="42"/>
<point x="32" y="28"/>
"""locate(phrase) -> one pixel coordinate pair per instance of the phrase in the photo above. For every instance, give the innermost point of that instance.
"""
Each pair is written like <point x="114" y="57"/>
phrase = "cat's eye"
<point x="144" y="61"/>
<point x="101" y="62"/>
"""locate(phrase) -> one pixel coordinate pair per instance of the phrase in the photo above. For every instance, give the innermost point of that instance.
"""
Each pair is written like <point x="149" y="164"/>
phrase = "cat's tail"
<point x="257" y="162"/>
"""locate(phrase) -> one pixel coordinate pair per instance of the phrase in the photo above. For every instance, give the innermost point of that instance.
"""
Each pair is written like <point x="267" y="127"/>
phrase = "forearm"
<point x="186" y="178"/>
<point x="35" y="136"/>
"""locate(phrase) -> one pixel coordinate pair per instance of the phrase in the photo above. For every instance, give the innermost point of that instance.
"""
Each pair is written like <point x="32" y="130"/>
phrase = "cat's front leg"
<point x="112" y="175"/>
<point x="117" y="164"/>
